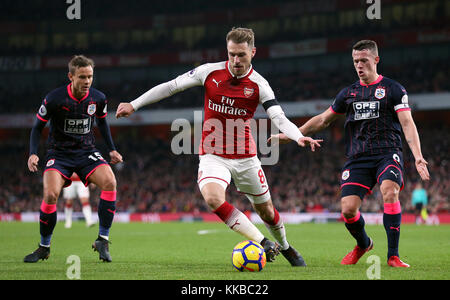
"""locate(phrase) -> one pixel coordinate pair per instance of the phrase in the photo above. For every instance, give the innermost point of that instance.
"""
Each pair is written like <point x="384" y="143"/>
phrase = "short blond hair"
<point x="79" y="61"/>
<point x="241" y="35"/>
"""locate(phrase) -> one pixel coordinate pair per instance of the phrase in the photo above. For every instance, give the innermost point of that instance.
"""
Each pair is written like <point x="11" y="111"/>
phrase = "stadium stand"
<point x="144" y="185"/>
<point x="134" y="53"/>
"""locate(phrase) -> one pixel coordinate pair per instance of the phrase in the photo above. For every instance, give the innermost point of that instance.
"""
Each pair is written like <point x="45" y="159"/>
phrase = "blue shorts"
<point x="82" y="162"/>
<point x="360" y="175"/>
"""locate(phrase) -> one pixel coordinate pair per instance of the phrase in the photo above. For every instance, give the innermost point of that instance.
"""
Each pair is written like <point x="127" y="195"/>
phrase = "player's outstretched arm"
<point x="289" y="129"/>
<point x="413" y="140"/>
<point x="153" y="95"/>
<point x="159" y="92"/>
<point x="306" y="140"/>
<point x="313" y="125"/>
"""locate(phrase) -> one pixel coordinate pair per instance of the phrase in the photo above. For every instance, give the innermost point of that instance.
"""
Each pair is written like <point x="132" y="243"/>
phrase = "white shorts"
<point x="77" y="188"/>
<point x="247" y="173"/>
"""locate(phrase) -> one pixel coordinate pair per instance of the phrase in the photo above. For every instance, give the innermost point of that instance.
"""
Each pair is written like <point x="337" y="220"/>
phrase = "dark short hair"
<point x="79" y="61"/>
<point x="366" y="44"/>
<point x="241" y="35"/>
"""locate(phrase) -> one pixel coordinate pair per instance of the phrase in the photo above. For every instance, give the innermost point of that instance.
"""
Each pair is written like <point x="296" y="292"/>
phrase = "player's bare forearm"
<point x="318" y="123"/>
<point x="413" y="140"/>
<point x="411" y="135"/>
<point x="313" y="125"/>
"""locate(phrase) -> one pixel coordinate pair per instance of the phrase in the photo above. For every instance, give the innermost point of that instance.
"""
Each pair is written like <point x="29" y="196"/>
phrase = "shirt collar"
<point x="242" y="76"/>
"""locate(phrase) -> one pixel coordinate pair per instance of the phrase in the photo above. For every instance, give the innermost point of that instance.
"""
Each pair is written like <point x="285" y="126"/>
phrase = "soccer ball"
<point x="248" y="256"/>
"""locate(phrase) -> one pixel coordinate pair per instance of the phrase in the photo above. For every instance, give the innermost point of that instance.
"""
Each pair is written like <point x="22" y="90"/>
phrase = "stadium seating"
<point x="153" y="179"/>
<point x="158" y="40"/>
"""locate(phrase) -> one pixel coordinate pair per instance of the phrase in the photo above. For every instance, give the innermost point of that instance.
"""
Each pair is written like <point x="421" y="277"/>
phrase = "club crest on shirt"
<point x="380" y="93"/>
<point x="248" y="92"/>
<point x="91" y="109"/>
<point x="50" y="162"/>
<point x="345" y="174"/>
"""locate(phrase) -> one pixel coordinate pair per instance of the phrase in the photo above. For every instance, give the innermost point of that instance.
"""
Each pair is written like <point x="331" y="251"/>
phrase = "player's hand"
<point x="33" y="162"/>
<point x="421" y="166"/>
<point x="280" y="138"/>
<point x="306" y="140"/>
<point x="124" y="110"/>
<point x="115" y="157"/>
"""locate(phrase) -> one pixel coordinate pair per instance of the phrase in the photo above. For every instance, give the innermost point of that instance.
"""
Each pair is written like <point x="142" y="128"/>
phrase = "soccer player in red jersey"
<point x="77" y="189"/>
<point x="71" y="110"/>
<point x="233" y="90"/>
<point x="377" y="111"/>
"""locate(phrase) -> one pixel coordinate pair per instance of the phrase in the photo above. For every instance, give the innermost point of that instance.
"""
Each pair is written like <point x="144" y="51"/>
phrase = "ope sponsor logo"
<point x="78" y="126"/>
<point x="366" y="110"/>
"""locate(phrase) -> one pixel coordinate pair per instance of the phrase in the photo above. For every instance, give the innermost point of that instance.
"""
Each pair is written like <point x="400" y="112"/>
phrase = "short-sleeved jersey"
<point x="71" y="119"/>
<point x="229" y="104"/>
<point x="372" y="125"/>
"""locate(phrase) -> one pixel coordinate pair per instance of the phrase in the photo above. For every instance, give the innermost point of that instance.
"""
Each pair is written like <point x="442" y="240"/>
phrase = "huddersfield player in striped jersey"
<point x="72" y="110"/>
<point x="377" y="111"/>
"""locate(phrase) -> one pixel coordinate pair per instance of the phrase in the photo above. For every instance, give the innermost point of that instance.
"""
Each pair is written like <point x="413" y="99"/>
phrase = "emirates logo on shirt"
<point x="226" y="106"/>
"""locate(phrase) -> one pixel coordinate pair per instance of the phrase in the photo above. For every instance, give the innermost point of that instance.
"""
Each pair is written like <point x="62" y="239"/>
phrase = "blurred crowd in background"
<point x="418" y="77"/>
<point x="153" y="179"/>
<point x="158" y="41"/>
<point x="169" y="38"/>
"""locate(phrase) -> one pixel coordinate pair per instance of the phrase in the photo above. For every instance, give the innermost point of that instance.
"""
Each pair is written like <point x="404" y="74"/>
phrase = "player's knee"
<point x="214" y="195"/>
<point x="213" y="201"/>
<point x="390" y="195"/>
<point x="51" y="196"/>
<point x="267" y="215"/>
<point x="349" y="213"/>
<point x="349" y="209"/>
<point x="110" y="185"/>
<point x="265" y="211"/>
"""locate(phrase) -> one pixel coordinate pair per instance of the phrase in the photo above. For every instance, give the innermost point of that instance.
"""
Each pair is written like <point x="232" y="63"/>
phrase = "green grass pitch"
<point x="202" y="251"/>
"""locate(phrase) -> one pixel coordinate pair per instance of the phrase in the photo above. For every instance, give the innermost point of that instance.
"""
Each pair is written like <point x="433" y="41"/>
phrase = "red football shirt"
<point x="230" y="103"/>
